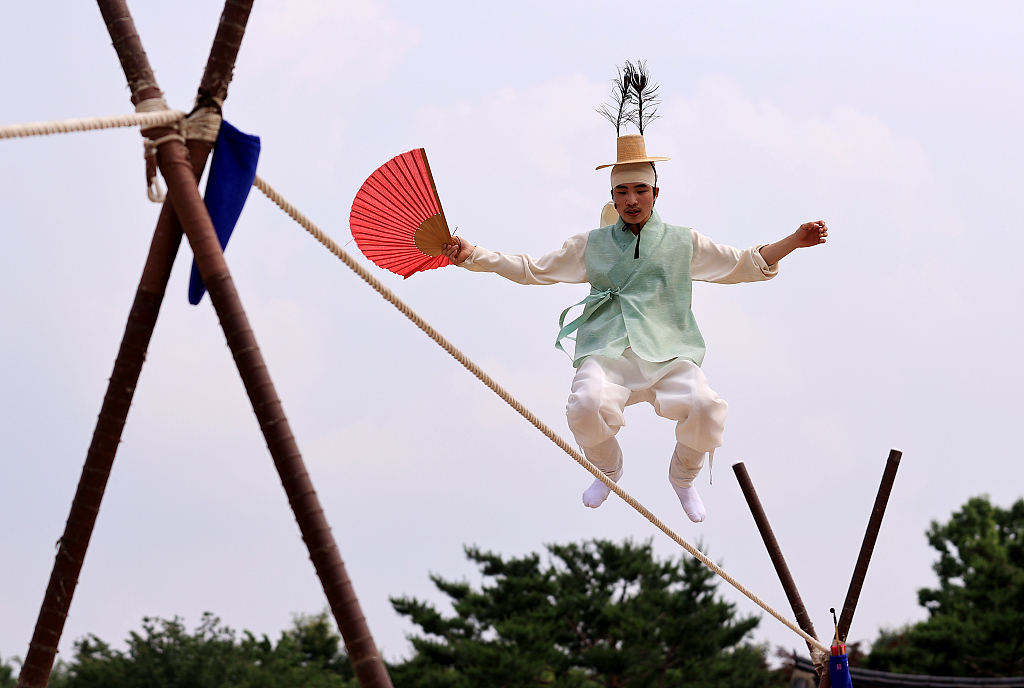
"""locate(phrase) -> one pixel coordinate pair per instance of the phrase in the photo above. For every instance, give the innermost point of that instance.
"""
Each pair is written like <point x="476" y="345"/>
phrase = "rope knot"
<point x="203" y="124"/>
<point x="150" y="146"/>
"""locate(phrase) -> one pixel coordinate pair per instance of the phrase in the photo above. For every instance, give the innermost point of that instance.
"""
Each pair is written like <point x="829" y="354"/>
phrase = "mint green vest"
<point x="642" y="302"/>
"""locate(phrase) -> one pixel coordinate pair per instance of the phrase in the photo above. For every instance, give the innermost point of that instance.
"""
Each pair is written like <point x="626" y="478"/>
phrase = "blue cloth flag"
<point x="231" y="176"/>
<point x="839" y="671"/>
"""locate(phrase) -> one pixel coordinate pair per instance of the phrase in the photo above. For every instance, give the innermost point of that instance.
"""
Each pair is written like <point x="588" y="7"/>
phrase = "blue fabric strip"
<point x="839" y="671"/>
<point x="231" y="176"/>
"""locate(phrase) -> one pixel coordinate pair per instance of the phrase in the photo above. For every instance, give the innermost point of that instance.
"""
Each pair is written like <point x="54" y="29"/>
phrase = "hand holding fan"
<point x="396" y="217"/>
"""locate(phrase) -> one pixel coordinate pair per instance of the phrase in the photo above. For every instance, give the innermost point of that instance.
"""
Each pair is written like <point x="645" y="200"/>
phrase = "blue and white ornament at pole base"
<point x="839" y="671"/>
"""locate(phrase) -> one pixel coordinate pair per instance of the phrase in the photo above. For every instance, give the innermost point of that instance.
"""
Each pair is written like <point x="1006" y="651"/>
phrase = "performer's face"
<point x="634" y="202"/>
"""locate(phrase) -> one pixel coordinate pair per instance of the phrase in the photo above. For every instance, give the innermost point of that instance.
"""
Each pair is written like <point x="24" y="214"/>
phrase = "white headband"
<point x="633" y="173"/>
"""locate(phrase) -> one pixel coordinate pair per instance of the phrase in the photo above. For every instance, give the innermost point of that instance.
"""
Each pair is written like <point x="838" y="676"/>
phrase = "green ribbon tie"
<point x="594" y="300"/>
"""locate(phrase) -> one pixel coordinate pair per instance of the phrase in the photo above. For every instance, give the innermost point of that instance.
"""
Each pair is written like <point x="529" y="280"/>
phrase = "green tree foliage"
<point x="165" y="655"/>
<point x="599" y="614"/>
<point x="7" y="679"/>
<point x="976" y="615"/>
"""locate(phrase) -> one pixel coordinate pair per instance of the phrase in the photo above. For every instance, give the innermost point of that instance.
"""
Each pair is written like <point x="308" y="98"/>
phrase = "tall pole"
<point x="892" y="464"/>
<point x="774" y="551"/>
<point x="860" y="570"/>
<point x="195" y="221"/>
<point x="35" y="672"/>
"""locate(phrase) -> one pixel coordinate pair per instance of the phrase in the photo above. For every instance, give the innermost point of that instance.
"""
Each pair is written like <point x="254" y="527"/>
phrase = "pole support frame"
<point x="187" y="212"/>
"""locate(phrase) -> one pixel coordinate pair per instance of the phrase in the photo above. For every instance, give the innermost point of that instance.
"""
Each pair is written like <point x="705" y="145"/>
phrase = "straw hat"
<point x="630" y="148"/>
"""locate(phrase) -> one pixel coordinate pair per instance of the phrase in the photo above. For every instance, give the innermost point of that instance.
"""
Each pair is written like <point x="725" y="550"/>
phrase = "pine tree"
<point x="598" y="614"/>
<point x="7" y="679"/>
<point x="166" y="655"/>
<point x="976" y="615"/>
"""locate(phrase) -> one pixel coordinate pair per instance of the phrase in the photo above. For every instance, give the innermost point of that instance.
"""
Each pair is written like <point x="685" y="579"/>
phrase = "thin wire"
<point x="472" y="367"/>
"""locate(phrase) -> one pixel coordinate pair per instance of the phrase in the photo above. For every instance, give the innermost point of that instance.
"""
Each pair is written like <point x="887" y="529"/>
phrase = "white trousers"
<point x="677" y="389"/>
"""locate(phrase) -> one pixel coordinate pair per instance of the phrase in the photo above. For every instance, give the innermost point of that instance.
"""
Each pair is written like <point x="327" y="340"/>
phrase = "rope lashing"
<point x="152" y="105"/>
<point x="202" y="124"/>
<point x="472" y="367"/>
<point x="149" y="149"/>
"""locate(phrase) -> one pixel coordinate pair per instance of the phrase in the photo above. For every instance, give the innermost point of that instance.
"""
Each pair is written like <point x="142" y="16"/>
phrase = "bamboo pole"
<point x="825" y="680"/>
<point x="868" y="545"/>
<point x="195" y="220"/>
<point x="774" y="551"/>
<point x="316" y="533"/>
<point x="35" y="672"/>
<point x="866" y="548"/>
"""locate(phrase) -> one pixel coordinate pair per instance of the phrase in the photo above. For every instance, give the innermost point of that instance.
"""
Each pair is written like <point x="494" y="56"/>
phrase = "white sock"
<point x="597" y="493"/>
<point x="692" y="504"/>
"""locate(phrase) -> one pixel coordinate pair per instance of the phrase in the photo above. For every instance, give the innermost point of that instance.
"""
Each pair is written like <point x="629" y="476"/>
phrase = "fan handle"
<point x="432" y="235"/>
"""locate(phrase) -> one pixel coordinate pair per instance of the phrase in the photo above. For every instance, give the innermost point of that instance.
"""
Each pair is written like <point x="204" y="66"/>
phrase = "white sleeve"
<point x="564" y="265"/>
<point x="727" y="265"/>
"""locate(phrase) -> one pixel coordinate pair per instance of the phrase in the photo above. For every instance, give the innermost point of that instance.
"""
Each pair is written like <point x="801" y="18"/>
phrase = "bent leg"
<point x="595" y="413"/>
<point x="608" y="457"/>
<point x="684" y="395"/>
<point x="684" y="467"/>
<point x="596" y="403"/>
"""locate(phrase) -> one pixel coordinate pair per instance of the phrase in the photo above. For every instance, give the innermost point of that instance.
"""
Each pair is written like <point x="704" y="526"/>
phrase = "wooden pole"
<point x="774" y="551"/>
<point x="195" y="221"/>
<point x="316" y="533"/>
<point x="35" y="672"/>
<point x="866" y="548"/>
<point x="868" y="545"/>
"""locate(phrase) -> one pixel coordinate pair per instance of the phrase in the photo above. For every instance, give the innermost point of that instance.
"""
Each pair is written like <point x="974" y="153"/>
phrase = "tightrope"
<point x="163" y="117"/>
<point x="472" y="367"/>
<point x="65" y="126"/>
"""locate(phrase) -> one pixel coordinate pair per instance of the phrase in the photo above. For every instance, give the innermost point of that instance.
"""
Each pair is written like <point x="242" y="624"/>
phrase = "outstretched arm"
<point x="807" y="234"/>
<point x="563" y="265"/>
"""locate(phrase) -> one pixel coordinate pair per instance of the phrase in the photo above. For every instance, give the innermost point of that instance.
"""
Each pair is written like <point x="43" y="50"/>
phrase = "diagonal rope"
<point x="163" y="117"/>
<point x="65" y="126"/>
<point x="472" y="367"/>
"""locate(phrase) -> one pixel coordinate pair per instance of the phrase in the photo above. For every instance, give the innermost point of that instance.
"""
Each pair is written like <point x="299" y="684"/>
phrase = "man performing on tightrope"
<point x="637" y="339"/>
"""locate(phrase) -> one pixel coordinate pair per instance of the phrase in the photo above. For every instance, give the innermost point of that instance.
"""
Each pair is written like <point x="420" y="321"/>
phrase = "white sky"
<point x="898" y="123"/>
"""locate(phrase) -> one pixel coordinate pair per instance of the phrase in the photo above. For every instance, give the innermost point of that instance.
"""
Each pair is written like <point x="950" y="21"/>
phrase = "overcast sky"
<point x="897" y="123"/>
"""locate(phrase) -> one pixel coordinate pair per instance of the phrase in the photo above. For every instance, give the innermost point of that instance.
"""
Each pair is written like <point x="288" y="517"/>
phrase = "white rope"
<point x="149" y="150"/>
<point x="472" y="367"/>
<point x="201" y="125"/>
<point x="143" y="119"/>
<point x="151" y="112"/>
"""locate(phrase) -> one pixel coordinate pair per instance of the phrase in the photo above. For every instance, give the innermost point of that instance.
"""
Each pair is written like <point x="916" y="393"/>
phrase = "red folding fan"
<point x="396" y="218"/>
